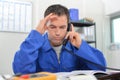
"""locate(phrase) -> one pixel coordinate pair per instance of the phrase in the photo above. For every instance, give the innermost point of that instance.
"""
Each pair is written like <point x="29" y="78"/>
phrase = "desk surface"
<point x="74" y="75"/>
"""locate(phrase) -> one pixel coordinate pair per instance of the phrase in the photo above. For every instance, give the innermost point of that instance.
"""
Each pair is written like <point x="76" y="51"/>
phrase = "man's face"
<point x="57" y="30"/>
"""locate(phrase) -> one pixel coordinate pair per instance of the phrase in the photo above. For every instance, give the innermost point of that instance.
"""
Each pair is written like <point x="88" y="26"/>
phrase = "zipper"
<point x="60" y="59"/>
<point x="58" y="62"/>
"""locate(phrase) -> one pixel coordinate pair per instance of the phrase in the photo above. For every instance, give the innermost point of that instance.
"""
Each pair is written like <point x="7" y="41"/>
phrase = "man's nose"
<point x="57" y="32"/>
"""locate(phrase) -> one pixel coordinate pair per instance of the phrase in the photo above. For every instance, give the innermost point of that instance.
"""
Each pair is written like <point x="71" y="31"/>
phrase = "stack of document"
<point x="79" y="75"/>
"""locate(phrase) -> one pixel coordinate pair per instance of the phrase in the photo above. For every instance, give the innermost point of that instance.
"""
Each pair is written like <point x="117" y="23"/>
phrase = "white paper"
<point x="5" y="16"/>
<point x="17" y="17"/>
<point x="22" y="18"/>
<point x="28" y="18"/>
<point x="82" y="77"/>
<point x="1" y="8"/>
<point x="11" y="16"/>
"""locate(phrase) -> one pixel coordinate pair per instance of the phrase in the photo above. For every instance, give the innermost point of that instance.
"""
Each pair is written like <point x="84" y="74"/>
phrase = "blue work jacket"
<point x="36" y="54"/>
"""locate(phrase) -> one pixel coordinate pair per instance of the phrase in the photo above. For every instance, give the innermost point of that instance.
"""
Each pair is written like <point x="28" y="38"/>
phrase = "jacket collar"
<point x="46" y="46"/>
<point x="68" y="46"/>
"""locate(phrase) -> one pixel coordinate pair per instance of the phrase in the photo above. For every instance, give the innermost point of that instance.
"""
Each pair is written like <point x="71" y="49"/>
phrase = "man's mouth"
<point x="58" y="39"/>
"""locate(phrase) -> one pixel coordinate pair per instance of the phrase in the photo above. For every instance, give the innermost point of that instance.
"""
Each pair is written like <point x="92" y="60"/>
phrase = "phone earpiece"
<point x="69" y="25"/>
<point x="68" y="29"/>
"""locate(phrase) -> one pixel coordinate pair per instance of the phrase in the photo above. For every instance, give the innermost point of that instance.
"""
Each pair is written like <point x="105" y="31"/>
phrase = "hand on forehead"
<point x="51" y="16"/>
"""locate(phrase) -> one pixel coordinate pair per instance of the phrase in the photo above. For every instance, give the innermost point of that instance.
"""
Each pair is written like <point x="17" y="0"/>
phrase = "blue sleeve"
<point x="25" y="59"/>
<point x="90" y="54"/>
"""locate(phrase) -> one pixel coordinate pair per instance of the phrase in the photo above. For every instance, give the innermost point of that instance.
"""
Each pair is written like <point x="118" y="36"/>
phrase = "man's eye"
<point x="52" y="27"/>
<point x="62" y="27"/>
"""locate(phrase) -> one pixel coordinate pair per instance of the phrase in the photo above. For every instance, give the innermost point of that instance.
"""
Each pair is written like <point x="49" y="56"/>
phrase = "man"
<point x="42" y="50"/>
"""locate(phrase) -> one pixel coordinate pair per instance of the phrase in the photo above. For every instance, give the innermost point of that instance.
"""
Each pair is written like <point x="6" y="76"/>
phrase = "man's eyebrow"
<point x="59" y="26"/>
<point x="63" y="26"/>
<point x="52" y="25"/>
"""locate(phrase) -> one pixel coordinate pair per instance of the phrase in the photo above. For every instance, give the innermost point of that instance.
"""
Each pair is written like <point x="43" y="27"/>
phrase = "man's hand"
<point x="74" y="37"/>
<point x="41" y="28"/>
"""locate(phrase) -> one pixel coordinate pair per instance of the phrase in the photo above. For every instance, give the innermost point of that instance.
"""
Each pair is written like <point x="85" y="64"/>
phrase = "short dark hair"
<point x="58" y="10"/>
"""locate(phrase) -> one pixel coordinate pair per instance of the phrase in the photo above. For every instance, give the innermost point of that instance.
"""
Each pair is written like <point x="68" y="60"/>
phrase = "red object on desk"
<point x="25" y="76"/>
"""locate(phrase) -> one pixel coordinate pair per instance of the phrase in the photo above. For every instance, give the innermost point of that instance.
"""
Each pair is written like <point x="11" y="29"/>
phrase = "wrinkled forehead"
<point x="56" y="17"/>
<point x="57" y="20"/>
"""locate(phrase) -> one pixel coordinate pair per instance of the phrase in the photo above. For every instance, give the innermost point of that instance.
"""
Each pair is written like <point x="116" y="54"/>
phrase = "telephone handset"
<point x="68" y="29"/>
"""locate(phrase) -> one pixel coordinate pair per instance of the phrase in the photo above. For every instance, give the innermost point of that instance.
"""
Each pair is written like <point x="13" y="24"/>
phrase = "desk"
<point x="74" y="75"/>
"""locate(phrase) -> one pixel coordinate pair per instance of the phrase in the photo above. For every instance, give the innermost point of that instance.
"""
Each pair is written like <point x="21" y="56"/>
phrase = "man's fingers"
<point x="69" y="35"/>
<point x="48" y="17"/>
<point x="51" y="16"/>
<point x="72" y="28"/>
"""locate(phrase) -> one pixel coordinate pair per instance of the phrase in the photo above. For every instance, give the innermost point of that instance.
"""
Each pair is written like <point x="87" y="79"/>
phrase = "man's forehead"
<point x="55" y="17"/>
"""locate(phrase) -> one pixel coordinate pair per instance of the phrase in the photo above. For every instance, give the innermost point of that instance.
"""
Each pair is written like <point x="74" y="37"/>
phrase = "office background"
<point x="99" y="10"/>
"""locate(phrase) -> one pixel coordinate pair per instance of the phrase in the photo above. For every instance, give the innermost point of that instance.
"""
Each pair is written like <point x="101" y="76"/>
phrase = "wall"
<point x="111" y="6"/>
<point x="95" y="9"/>
<point x="10" y="42"/>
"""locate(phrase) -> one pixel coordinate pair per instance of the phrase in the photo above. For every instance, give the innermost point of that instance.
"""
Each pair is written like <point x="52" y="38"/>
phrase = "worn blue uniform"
<point x="36" y="54"/>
